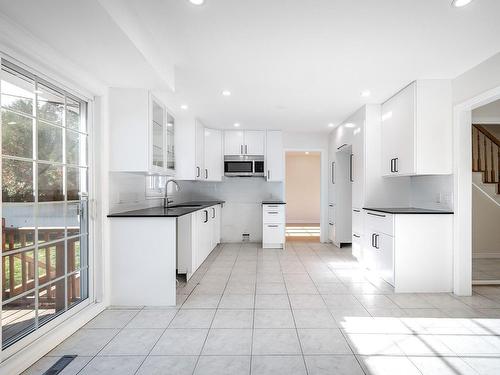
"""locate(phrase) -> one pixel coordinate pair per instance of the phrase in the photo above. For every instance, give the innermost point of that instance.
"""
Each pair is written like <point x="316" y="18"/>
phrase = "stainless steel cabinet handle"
<point x="376" y="241"/>
<point x="206" y="216"/>
<point x="330" y="205"/>
<point x="333" y="172"/>
<point x="272" y="226"/>
<point x="379" y="215"/>
<point x="272" y="212"/>
<point x="206" y="174"/>
<point x="213" y="212"/>
<point x="330" y="223"/>
<point x="351" y="177"/>
<point x="268" y="174"/>
<point x="246" y="149"/>
<point x="373" y="239"/>
<point x="392" y="165"/>
<point x="356" y="210"/>
<point x="396" y="167"/>
<point x="356" y="235"/>
<point x="241" y="149"/>
<point x="197" y="171"/>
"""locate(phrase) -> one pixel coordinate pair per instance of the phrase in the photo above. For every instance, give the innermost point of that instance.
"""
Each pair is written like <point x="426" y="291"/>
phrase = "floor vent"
<point x="57" y="367"/>
<point x="245" y="237"/>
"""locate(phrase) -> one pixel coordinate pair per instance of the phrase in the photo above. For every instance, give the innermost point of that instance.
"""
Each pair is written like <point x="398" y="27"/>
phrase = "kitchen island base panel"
<point x="143" y="261"/>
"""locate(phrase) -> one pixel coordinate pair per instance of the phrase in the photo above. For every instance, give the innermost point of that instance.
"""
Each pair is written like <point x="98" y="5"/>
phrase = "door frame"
<point x="462" y="186"/>
<point x="323" y="219"/>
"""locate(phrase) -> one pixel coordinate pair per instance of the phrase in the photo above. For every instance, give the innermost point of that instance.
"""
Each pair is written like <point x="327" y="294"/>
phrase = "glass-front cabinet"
<point x="162" y="146"/>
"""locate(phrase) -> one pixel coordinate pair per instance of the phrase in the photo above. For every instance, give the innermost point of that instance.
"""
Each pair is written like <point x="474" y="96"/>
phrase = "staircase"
<point x="486" y="160"/>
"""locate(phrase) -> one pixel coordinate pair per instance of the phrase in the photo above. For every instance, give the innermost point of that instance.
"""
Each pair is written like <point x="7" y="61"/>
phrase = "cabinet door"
<point x="331" y="231"/>
<point x="274" y="156"/>
<point x="199" y="150"/>
<point x="385" y="257"/>
<point x="216" y="222"/>
<point x="170" y="143"/>
<point x="369" y="251"/>
<point x="398" y="138"/>
<point x="234" y="141"/>
<point x="254" y="142"/>
<point x="158" y="136"/>
<point x="213" y="168"/>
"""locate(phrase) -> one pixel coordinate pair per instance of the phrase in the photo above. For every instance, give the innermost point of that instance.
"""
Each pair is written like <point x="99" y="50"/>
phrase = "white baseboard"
<point x="485" y="255"/>
<point x="23" y="358"/>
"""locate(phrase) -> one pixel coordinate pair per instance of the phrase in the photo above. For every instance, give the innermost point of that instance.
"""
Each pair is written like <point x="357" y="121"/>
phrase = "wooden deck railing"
<point x="486" y="155"/>
<point x="21" y="278"/>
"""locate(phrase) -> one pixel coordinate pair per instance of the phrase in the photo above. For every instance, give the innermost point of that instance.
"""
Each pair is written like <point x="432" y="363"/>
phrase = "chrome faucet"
<point x="167" y="201"/>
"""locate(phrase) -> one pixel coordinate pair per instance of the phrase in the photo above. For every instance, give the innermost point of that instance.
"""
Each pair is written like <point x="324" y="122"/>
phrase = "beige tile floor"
<point x="308" y="309"/>
<point x="485" y="269"/>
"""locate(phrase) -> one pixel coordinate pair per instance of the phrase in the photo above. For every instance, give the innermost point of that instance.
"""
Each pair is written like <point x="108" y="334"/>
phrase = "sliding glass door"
<point x="44" y="202"/>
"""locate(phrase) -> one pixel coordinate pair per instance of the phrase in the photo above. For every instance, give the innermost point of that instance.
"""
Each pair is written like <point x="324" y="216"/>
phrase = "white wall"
<point x="303" y="187"/>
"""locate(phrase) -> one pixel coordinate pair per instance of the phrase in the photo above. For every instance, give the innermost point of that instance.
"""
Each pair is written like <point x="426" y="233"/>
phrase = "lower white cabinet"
<point x="412" y="252"/>
<point x="197" y="235"/>
<point x="273" y="226"/>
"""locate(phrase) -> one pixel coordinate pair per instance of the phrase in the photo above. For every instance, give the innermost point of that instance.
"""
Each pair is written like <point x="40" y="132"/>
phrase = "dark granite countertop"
<point x="407" y="210"/>
<point x="179" y="209"/>
<point x="273" y="202"/>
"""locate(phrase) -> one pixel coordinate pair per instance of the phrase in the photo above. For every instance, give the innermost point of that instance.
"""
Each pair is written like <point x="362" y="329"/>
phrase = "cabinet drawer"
<point x="273" y="214"/>
<point x="357" y="221"/>
<point x="379" y="222"/>
<point x="273" y="233"/>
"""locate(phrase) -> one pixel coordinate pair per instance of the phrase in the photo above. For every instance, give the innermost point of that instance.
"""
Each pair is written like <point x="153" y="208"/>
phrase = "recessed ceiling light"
<point x="236" y="125"/>
<point x="169" y="124"/>
<point x="349" y="125"/>
<point x="365" y="93"/>
<point x="307" y="152"/>
<point x="331" y="125"/>
<point x="184" y="107"/>
<point x="226" y="93"/>
<point x="197" y="2"/>
<point x="460" y="3"/>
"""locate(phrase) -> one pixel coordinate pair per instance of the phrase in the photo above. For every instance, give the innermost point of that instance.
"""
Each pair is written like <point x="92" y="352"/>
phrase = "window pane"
<point x="75" y="148"/>
<point x="76" y="183"/>
<point x="50" y="183"/>
<point x="51" y="301"/>
<point x="77" y="287"/>
<point x="18" y="91"/>
<point x="18" y="318"/>
<point x="18" y="226"/>
<point x="74" y="259"/>
<point x="76" y="218"/>
<point x="74" y="115"/>
<point x="50" y="222"/>
<point x="50" y="262"/>
<point x="50" y="144"/>
<point x="17" y="181"/>
<point x="50" y="105"/>
<point x="17" y="135"/>
<point x="19" y="271"/>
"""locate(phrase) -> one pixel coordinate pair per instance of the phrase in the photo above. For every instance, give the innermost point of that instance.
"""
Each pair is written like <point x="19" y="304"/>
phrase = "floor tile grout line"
<point x="111" y="339"/>
<point x="294" y="321"/>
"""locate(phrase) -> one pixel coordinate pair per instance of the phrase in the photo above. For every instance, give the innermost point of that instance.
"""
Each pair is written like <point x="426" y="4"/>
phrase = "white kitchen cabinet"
<point x="417" y="130"/>
<point x="412" y="252"/>
<point x="199" y="150"/>
<point x="274" y="156"/>
<point x="244" y="142"/>
<point x="273" y="226"/>
<point x="357" y="233"/>
<point x="213" y="159"/>
<point x="147" y="145"/>
<point x="342" y="181"/>
<point x="197" y="235"/>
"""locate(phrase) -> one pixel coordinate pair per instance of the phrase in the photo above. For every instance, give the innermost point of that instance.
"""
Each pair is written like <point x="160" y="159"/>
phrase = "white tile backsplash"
<point x="432" y="192"/>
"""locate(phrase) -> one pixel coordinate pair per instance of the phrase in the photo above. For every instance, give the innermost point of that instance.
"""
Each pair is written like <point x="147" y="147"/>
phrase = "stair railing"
<point x="486" y="155"/>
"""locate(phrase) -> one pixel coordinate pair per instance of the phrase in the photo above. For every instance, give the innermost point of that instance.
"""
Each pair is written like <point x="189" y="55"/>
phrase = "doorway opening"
<point x="486" y="194"/>
<point x="303" y="195"/>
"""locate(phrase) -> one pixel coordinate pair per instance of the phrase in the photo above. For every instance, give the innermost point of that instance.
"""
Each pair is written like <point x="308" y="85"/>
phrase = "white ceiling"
<point x="290" y="64"/>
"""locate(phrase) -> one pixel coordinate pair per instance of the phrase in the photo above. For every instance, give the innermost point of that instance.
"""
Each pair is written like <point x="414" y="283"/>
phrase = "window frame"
<point x="87" y="116"/>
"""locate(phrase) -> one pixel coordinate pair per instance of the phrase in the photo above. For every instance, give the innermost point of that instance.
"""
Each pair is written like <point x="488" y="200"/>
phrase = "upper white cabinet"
<point x="274" y="156"/>
<point x="199" y="150"/>
<point x="240" y="142"/>
<point x="141" y="133"/>
<point x="417" y="130"/>
<point x="213" y="165"/>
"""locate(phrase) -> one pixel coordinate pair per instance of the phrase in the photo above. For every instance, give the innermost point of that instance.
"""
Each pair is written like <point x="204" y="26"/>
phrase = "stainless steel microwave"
<point x="244" y="166"/>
